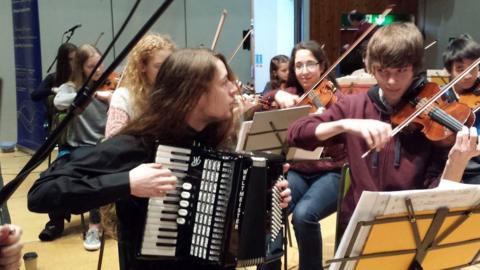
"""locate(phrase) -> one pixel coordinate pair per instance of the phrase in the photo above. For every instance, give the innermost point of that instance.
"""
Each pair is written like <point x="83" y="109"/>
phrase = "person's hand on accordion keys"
<point x="283" y="186"/>
<point x="151" y="180"/>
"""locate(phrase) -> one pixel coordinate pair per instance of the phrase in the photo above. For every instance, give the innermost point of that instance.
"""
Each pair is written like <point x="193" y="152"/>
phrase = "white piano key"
<point x="171" y="149"/>
<point x="158" y="233"/>
<point x="158" y="252"/>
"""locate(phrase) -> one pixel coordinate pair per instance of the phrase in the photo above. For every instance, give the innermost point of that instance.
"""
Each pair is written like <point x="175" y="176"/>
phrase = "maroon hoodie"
<point x="408" y="161"/>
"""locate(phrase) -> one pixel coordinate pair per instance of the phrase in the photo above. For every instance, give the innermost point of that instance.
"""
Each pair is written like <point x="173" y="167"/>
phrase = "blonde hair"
<point x="134" y="80"/>
<point x="84" y="52"/>
<point x="394" y="46"/>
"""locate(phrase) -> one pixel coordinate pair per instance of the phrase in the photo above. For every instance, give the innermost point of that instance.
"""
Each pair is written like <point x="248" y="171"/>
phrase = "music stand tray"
<point x="267" y="130"/>
<point x="442" y="238"/>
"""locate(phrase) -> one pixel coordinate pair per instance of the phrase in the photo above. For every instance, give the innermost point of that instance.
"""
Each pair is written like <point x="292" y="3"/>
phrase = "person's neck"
<point x="195" y="122"/>
<point x="388" y="104"/>
<point x="307" y="87"/>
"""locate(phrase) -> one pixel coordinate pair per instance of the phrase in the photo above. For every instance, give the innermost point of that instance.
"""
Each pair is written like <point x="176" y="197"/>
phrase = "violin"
<point x="110" y="83"/>
<point x="410" y="117"/>
<point x="471" y="97"/>
<point x="321" y="96"/>
<point x="442" y="120"/>
<point x="104" y="91"/>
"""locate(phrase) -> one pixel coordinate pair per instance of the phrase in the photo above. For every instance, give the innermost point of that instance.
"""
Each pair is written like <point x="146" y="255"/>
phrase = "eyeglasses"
<point x="310" y="66"/>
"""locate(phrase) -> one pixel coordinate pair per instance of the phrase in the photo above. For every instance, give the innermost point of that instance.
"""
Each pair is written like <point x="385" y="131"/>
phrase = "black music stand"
<point x="267" y="131"/>
<point x="439" y="239"/>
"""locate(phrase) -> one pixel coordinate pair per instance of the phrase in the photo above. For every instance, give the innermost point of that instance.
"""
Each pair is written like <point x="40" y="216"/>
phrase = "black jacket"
<point x="100" y="176"/>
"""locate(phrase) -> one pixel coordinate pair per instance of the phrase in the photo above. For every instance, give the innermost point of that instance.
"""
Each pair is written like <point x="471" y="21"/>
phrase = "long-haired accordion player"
<point x="192" y="103"/>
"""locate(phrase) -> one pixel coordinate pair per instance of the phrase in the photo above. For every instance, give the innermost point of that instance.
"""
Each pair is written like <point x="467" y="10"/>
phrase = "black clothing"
<point x="100" y="176"/>
<point x="44" y="89"/>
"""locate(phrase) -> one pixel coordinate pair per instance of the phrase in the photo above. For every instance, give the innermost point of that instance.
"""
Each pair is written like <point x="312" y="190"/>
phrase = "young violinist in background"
<point x="49" y="86"/>
<point x="278" y="73"/>
<point x="461" y="53"/>
<point x="406" y="161"/>
<point x="314" y="184"/>
<point x="142" y="67"/>
<point x="307" y="64"/>
<point x="83" y="132"/>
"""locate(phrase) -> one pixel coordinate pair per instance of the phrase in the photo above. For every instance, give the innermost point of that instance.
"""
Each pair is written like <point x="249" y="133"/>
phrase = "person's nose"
<point x="469" y="75"/>
<point x="391" y="80"/>
<point x="233" y="89"/>
<point x="303" y="69"/>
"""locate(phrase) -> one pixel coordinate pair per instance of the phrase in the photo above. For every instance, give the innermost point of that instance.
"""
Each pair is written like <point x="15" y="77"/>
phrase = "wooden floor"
<point x="67" y="252"/>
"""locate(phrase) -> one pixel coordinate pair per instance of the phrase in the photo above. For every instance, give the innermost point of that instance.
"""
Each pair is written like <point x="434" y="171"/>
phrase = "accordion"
<point x="223" y="212"/>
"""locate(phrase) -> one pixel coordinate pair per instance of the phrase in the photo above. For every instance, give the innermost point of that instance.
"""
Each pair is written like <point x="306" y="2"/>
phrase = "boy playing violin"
<point x="461" y="53"/>
<point x="362" y="121"/>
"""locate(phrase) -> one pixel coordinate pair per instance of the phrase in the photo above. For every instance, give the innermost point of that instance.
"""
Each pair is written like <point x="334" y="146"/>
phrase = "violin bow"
<point x="239" y="45"/>
<point x="422" y="108"/>
<point x="219" y="29"/>
<point x="430" y="45"/>
<point x="98" y="39"/>
<point x="350" y="49"/>
<point x="121" y="75"/>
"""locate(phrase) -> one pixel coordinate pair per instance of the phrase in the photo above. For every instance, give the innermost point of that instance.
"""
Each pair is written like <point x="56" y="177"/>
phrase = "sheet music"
<point x="372" y="204"/>
<point x="242" y="135"/>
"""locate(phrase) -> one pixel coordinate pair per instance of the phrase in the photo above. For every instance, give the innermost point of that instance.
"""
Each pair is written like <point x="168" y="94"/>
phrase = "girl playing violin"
<point x="278" y="73"/>
<point x="362" y="121"/>
<point x="460" y="53"/>
<point x="314" y="184"/>
<point x="143" y="64"/>
<point x="84" y="131"/>
<point x="308" y="62"/>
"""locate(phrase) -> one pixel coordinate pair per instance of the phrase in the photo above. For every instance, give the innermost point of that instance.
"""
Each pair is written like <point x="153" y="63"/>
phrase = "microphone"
<point x="73" y="28"/>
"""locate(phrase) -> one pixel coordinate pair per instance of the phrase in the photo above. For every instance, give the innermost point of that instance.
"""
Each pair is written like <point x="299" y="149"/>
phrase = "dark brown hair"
<point x="394" y="46"/>
<point x="275" y="81"/>
<point x="459" y="49"/>
<point x="183" y="78"/>
<point x="63" y="68"/>
<point x="318" y="53"/>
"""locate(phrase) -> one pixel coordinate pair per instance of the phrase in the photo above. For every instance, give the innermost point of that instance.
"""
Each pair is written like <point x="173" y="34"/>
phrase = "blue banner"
<point x="28" y="73"/>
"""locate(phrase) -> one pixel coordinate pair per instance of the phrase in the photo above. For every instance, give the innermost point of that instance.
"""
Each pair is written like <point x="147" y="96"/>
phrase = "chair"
<point x="343" y="187"/>
<point x="54" y="117"/>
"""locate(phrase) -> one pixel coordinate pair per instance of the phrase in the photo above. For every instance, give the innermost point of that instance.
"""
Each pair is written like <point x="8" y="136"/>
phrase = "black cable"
<point x="81" y="100"/>
<point x="113" y="26"/>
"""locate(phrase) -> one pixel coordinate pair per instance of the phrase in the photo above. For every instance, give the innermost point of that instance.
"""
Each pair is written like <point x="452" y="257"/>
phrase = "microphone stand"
<point x="56" y="56"/>
<point x="81" y="101"/>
